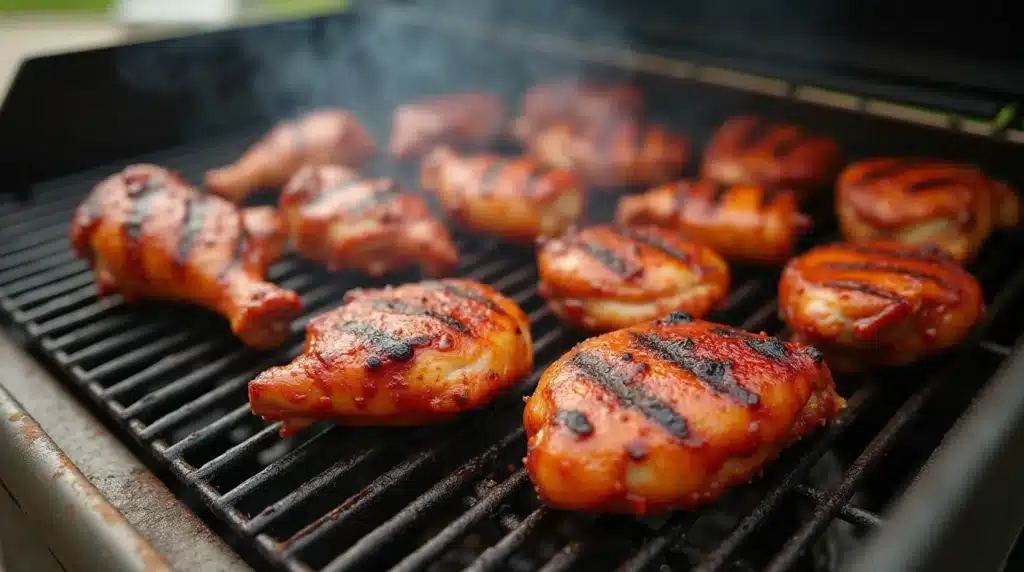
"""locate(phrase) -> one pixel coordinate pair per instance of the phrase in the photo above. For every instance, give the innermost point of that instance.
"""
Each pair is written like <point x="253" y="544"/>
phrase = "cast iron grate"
<point x="454" y="496"/>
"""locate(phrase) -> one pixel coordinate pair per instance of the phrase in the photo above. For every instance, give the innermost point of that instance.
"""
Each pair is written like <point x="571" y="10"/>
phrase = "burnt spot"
<point x="771" y="348"/>
<point x="491" y="175"/>
<point x="714" y="373"/>
<point x="378" y="341"/>
<point x="607" y="258"/>
<point x="375" y="199"/>
<point x="786" y="146"/>
<point x="716" y="195"/>
<point x="864" y="288"/>
<point x="141" y="196"/>
<point x="637" y="450"/>
<point x="373" y="362"/>
<point x="814" y="353"/>
<point x="238" y="253"/>
<point x="616" y="382"/>
<point x="420" y="341"/>
<point x="648" y="240"/>
<point x="891" y="269"/>
<point x="677" y="317"/>
<point x="729" y="333"/>
<point x="924" y="253"/>
<point x="575" y="421"/>
<point x="934" y="183"/>
<point x="465" y="294"/>
<point x="626" y="356"/>
<point x="398" y="307"/>
<point x="191" y="225"/>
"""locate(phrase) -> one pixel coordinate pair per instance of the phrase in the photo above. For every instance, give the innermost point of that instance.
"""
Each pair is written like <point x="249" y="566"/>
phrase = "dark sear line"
<point x="341" y="187"/>
<point x="378" y="341"/>
<point x="629" y="394"/>
<point x="754" y="136"/>
<point x="241" y="243"/>
<point x="654" y="243"/>
<point x="860" y="287"/>
<point x="786" y="146"/>
<point x="191" y="225"/>
<point x="891" y="169"/>
<point x="141" y="199"/>
<point x="606" y="257"/>
<point x="934" y="183"/>
<point x="714" y="373"/>
<point x="923" y="253"/>
<point x="717" y="194"/>
<point x="466" y="295"/>
<point x="375" y="199"/>
<point x="413" y="310"/>
<point x="855" y="266"/>
<point x="491" y="174"/>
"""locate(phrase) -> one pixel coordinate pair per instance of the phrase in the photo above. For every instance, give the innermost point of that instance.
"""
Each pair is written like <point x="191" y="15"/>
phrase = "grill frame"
<point x="656" y="545"/>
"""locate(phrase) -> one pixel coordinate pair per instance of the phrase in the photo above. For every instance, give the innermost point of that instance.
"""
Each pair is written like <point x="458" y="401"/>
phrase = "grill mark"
<point x="466" y="295"/>
<point x="141" y="199"/>
<point x="191" y="226"/>
<point x="714" y="373"/>
<point x="864" y="288"/>
<point x="241" y="242"/>
<point x="727" y="333"/>
<point x="376" y="198"/>
<point x="933" y="183"/>
<point x="596" y="371"/>
<point x="490" y="175"/>
<point x="575" y="421"/>
<point x="381" y="342"/>
<point x="924" y="253"/>
<point x="754" y="136"/>
<point x="717" y="194"/>
<point x="771" y="348"/>
<point x="814" y="353"/>
<point x="892" y="169"/>
<point x="893" y="270"/>
<point x="786" y="146"/>
<point x="655" y="244"/>
<point x="413" y="310"/>
<point x="606" y="257"/>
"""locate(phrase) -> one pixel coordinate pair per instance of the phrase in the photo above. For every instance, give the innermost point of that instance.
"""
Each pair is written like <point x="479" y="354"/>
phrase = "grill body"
<point x="173" y="380"/>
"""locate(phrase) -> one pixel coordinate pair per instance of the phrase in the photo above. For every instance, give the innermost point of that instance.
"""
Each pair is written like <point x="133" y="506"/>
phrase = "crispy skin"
<point x="403" y="355"/>
<point x="149" y="234"/>
<point x="606" y="277"/>
<point x="325" y="137"/>
<point x="669" y="414"/>
<point x="335" y="217"/>
<point x="578" y="103"/>
<point x="613" y="153"/>
<point x="921" y="201"/>
<point x="745" y="223"/>
<point x="749" y="150"/>
<point x="878" y="303"/>
<point x="513" y="198"/>
<point x="470" y="120"/>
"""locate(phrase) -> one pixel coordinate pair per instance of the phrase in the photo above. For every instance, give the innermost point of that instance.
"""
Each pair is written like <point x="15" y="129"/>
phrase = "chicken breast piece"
<point x="670" y="414"/>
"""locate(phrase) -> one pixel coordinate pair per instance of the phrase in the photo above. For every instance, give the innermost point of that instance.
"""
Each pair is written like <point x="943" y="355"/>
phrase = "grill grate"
<point x="451" y="496"/>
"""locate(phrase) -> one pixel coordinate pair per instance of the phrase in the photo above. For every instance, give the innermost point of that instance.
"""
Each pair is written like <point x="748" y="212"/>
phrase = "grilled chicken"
<point x="748" y="150"/>
<point x="147" y="233"/>
<point x="578" y="103"/>
<point x="402" y="355"/>
<point x="326" y="137"/>
<point x="745" y="223"/>
<point x="344" y="221"/>
<point x="613" y="153"/>
<point x="669" y="414"/>
<point x="605" y="277"/>
<point x="462" y="120"/>
<point x="878" y="303"/>
<point x="920" y="201"/>
<point x="513" y="198"/>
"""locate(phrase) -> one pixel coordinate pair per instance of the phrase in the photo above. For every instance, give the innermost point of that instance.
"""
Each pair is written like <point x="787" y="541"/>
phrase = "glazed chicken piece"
<point x="403" y="355"/>
<point x="749" y="150"/>
<point x="744" y="223"/>
<point x="470" y="120"/>
<point x="577" y="103"/>
<point x="669" y="414"/>
<point x="921" y="201"/>
<point x="878" y="303"/>
<point x="614" y="153"/>
<point x="512" y="198"/>
<point x="149" y="234"/>
<point x="335" y="217"/>
<point x="606" y="277"/>
<point x="326" y="137"/>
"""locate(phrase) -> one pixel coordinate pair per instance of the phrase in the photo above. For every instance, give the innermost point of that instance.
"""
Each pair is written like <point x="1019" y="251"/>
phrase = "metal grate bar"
<point x="27" y="221"/>
<point x="848" y="513"/>
<point x="50" y="276"/>
<point x="997" y="349"/>
<point x="235" y="453"/>
<point x="34" y="262"/>
<point x="58" y="305"/>
<point x="87" y="334"/>
<point x="653" y="549"/>
<point x="493" y="557"/>
<point x="222" y="424"/>
<point x="40" y="294"/>
<point x="114" y="342"/>
<point x="30" y="239"/>
<point x="565" y="558"/>
<point x="134" y="356"/>
<point x="72" y="318"/>
<point x="161" y="367"/>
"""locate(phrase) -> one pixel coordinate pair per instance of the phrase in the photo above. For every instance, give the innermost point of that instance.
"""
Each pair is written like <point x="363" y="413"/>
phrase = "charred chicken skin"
<point x="745" y="223"/>
<point x="613" y="153"/>
<point x="578" y="103"/>
<point x="402" y="355"/>
<point x="669" y="414"/>
<point x="878" y="303"/>
<point x="921" y="201"/>
<point x="605" y="277"/>
<point x="749" y="150"/>
<point x="513" y="198"/>
<point x="149" y="234"/>
<point x="344" y="221"/>
<point x="326" y="137"/>
<point x="461" y="120"/>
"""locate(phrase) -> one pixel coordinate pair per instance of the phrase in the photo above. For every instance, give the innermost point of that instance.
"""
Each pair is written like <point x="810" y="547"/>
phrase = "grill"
<point x="172" y="381"/>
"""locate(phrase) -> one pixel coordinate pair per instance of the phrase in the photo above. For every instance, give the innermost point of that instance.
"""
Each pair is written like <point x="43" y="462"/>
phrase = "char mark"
<point x="717" y="194"/>
<point x="413" y="310"/>
<point x="814" y="353"/>
<point x="892" y="269"/>
<point x="783" y="148"/>
<point x="607" y="258"/>
<point x="890" y="169"/>
<point x="924" y="253"/>
<point x="755" y="135"/>
<point x="864" y="288"/>
<point x="238" y="253"/>
<point x="466" y="295"/>
<point x="771" y="348"/>
<point x="142" y="199"/>
<point x="191" y="225"/>
<point x="934" y="183"/>
<point x="677" y="317"/>
<point x="378" y="341"/>
<point x="595" y="370"/>
<point x="729" y="333"/>
<point x="575" y="421"/>
<point x="491" y="175"/>
<point x="714" y="373"/>
<point x="376" y="199"/>
<point x="647" y="239"/>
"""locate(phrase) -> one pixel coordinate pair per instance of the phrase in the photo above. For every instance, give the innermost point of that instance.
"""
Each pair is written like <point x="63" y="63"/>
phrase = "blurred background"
<point x="31" y="27"/>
